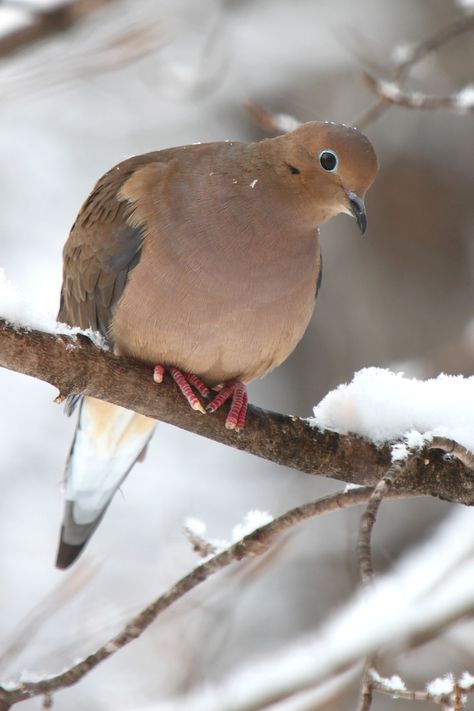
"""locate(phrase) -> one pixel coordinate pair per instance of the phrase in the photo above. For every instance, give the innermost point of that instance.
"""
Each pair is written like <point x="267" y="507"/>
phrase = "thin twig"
<point x="286" y="672"/>
<point x="412" y="55"/>
<point x="366" y="566"/>
<point x="255" y="543"/>
<point x="371" y="680"/>
<point x="366" y="689"/>
<point x="273" y="123"/>
<point x="390" y="93"/>
<point x="200" y="545"/>
<point x="452" y="700"/>
<point x="367" y="521"/>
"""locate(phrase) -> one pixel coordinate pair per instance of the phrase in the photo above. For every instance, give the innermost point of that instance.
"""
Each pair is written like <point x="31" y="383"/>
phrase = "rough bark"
<point x="75" y="365"/>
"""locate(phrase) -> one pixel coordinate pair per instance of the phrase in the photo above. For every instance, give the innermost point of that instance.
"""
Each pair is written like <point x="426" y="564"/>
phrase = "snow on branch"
<point x="405" y="58"/>
<point x="74" y="365"/>
<point x="431" y="421"/>
<point x="273" y="123"/>
<point x="447" y="691"/>
<point x="461" y="102"/>
<point x="384" y="406"/>
<point x="437" y="577"/>
<point x="389" y="92"/>
<point x="255" y="543"/>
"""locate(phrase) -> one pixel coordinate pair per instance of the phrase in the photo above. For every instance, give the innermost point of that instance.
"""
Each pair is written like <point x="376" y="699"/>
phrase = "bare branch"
<point x="390" y="93"/>
<point x="366" y="689"/>
<point x="46" y="23"/>
<point x="409" y="57"/>
<point x="273" y="123"/>
<point x="451" y="700"/>
<point x="367" y="521"/>
<point x="74" y="365"/>
<point x="200" y="545"/>
<point x="255" y="543"/>
<point x="371" y="679"/>
<point x="366" y="566"/>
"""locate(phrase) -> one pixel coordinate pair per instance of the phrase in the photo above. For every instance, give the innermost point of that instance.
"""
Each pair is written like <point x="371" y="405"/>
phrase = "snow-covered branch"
<point x="405" y="58"/>
<point x="252" y="544"/>
<point x="437" y="577"/>
<point x="447" y="691"/>
<point x="74" y="365"/>
<point x="461" y="102"/>
<point x="273" y="123"/>
<point x="389" y="93"/>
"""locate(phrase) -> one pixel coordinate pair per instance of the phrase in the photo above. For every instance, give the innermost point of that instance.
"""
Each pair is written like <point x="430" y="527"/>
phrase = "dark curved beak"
<point x="358" y="210"/>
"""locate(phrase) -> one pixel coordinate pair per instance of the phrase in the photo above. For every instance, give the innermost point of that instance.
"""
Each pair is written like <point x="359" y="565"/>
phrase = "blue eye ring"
<point x="328" y="160"/>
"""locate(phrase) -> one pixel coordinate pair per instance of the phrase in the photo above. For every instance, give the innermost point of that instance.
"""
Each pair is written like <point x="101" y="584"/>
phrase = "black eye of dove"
<point x="328" y="161"/>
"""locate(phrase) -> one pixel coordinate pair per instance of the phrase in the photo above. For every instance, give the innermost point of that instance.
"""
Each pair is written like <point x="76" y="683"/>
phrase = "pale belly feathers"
<point x="216" y="325"/>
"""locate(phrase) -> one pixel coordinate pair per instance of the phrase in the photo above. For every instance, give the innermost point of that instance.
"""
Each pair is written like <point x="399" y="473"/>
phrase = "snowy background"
<point x="401" y="297"/>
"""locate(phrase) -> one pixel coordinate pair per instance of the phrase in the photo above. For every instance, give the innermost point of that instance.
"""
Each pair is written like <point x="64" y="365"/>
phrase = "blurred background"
<point x="139" y="75"/>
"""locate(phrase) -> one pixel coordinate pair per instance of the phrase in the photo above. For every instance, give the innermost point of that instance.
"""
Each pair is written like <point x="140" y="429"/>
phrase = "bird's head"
<point x="332" y="166"/>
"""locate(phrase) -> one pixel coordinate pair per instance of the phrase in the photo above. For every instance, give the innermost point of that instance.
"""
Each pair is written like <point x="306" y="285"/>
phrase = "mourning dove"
<point x="202" y="261"/>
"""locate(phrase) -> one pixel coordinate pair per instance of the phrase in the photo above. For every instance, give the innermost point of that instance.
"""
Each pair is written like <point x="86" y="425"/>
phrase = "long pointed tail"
<point x="107" y="443"/>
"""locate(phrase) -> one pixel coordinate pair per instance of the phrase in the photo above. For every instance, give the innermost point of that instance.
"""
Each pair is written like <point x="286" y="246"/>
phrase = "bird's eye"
<point x="329" y="161"/>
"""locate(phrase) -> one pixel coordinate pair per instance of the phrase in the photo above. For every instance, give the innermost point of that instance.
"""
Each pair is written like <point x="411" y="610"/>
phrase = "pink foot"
<point x="236" y="390"/>
<point x="185" y="382"/>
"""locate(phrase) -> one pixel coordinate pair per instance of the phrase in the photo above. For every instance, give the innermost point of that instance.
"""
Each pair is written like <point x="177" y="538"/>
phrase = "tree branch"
<point x="254" y="543"/>
<point x="450" y="700"/>
<point x="74" y="365"/>
<point x="366" y="566"/>
<point x="390" y="93"/>
<point x="273" y="123"/>
<point x="45" y="23"/>
<point x="367" y="520"/>
<point x="409" y="57"/>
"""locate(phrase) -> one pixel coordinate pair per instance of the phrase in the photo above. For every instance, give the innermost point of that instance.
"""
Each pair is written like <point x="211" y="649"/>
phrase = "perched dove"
<point x="202" y="261"/>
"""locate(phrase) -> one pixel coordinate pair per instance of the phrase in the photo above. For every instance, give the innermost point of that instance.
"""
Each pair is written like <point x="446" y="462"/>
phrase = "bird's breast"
<point x="226" y="293"/>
